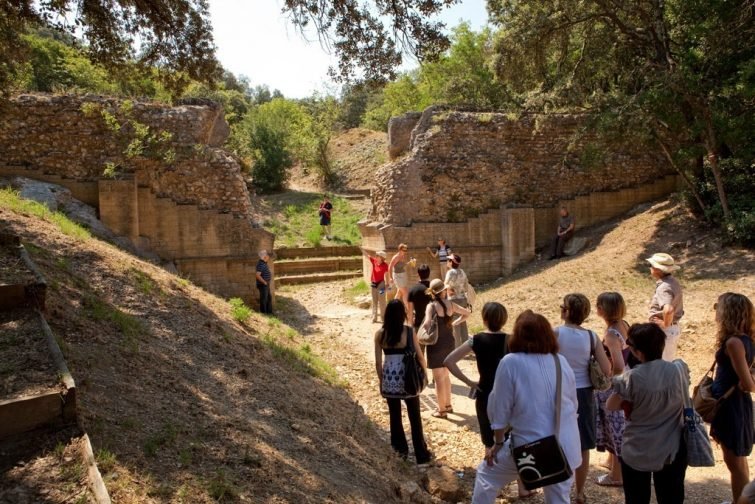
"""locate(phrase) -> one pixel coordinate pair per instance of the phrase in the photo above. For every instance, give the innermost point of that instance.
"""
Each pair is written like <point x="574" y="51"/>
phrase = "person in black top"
<point x="489" y="347"/>
<point x="325" y="211"/>
<point x="418" y="298"/>
<point x="264" y="276"/>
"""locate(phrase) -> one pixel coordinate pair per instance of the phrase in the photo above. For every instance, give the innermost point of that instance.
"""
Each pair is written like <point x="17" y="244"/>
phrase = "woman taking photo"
<point x="610" y="424"/>
<point x="489" y="348"/>
<point x="437" y="353"/>
<point x="577" y="344"/>
<point x="524" y="398"/>
<point x="377" y="283"/>
<point x="390" y="345"/>
<point x="732" y="426"/>
<point x="653" y="400"/>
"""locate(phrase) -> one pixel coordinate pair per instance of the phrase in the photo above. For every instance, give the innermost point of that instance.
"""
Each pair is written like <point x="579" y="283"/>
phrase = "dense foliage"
<point x="175" y="36"/>
<point x="676" y="76"/>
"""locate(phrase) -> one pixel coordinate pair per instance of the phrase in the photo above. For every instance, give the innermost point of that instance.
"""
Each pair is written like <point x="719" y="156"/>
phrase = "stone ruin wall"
<point x="492" y="185"/>
<point x="195" y="211"/>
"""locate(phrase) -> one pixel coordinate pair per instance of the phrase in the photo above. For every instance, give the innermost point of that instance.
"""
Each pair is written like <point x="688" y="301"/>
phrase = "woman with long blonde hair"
<point x="732" y="426"/>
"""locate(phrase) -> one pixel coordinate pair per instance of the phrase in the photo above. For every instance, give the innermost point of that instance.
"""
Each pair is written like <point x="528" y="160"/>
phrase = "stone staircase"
<point x="321" y="264"/>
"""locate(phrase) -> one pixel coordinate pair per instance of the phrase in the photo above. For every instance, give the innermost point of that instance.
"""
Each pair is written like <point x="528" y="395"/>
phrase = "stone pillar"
<point x="119" y="207"/>
<point x="518" y="233"/>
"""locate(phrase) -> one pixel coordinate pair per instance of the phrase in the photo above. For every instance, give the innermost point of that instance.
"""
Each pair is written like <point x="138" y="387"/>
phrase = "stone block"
<point x="119" y="206"/>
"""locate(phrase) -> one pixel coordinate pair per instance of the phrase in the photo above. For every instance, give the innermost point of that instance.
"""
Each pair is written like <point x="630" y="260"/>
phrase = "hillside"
<point x="184" y="403"/>
<point x="355" y="156"/>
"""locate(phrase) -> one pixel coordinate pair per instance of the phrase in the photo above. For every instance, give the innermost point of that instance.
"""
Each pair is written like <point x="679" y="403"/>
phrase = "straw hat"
<point x="437" y="286"/>
<point x="663" y="262"/>
<point x="380" y="253"/>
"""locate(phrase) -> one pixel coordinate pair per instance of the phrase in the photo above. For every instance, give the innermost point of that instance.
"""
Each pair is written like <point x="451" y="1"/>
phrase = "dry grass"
<point x="186" y="403"/>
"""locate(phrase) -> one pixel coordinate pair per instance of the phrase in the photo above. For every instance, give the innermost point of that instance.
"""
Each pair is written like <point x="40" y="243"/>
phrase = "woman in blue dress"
<point x="732" y="426"/>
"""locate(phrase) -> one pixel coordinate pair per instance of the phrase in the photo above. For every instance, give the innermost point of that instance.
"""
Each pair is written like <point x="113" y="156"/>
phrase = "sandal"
<point x="439" y="414"/>
<point x="606" y="480"/>
<point x="449" y="409"/>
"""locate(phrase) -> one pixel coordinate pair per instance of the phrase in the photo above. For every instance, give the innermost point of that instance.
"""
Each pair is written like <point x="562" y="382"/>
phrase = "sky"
<point x="254" y="39"/>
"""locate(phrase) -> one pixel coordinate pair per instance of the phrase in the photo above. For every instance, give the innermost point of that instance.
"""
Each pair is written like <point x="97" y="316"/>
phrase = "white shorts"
<point x="672" y="339"/>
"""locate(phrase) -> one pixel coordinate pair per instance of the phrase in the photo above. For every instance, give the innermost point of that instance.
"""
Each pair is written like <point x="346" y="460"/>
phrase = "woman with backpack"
<point x="391" y="341"/>
<point x="732" y="426"/>
<point x="439" y="312"/>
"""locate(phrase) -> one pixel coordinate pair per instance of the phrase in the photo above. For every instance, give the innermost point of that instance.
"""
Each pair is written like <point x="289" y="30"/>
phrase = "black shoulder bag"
<point x="542" y="462"/>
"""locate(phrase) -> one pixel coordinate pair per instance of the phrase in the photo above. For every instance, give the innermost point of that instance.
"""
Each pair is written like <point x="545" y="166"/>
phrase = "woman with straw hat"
<point x="444" y="309"/>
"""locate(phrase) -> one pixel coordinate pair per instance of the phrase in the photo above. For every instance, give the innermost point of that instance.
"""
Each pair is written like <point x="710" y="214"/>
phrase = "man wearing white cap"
<point x="667" y="307"/>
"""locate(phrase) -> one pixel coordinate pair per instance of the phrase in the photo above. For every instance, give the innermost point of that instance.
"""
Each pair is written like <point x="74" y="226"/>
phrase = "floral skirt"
<point x="609" y="425"/>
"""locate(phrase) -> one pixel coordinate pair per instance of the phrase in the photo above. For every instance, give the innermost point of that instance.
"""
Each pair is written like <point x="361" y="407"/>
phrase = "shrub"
<point x="239" y="310"/>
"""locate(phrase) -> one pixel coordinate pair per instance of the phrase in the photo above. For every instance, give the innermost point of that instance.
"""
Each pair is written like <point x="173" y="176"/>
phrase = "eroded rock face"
<point x="400" y="132"/>
<point x="463" y="163"/>
<point x="68" y="136"/>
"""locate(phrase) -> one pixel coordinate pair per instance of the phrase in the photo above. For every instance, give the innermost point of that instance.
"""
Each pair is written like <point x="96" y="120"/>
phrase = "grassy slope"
<point x="293" y="217"/>
<point x="184" y="403"/>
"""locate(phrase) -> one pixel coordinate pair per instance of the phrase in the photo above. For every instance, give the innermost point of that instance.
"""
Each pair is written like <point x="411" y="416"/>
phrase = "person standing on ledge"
<point x="264" y="277"/>
<point x="326" y="208"/>
<point x="441" y="252"/>
<point x="564" y="232"/>
<point x="666" y="307"/>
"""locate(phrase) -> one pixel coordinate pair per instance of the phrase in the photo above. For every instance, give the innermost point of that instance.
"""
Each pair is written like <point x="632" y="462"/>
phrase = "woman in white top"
<point x="576" y="344"/>
<point x="457" y="283"/>
<point x="523" y="398"/>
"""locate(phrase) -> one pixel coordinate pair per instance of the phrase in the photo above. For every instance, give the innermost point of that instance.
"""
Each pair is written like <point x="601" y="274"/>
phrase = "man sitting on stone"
<point x="564" y="232"/>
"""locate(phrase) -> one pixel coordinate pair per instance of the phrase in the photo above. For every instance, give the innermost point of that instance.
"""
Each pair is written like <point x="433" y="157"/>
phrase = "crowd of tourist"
<point x="538" y="382"/>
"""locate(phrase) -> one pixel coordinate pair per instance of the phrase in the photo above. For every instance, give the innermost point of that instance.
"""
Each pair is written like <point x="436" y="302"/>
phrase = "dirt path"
<point x="342" y="334"/>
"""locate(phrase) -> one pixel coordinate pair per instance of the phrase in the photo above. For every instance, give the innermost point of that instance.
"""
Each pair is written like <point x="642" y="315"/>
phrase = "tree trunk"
<point x="710" y="145"/>
<point x="689" y="183"/>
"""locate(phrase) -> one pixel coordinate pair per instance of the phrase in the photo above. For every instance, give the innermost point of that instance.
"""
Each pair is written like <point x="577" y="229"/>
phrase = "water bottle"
<point x="381" y="290"/>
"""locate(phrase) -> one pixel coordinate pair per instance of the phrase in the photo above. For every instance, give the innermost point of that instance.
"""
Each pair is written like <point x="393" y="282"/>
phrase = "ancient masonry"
<point x="491" y="185"/>
<point x="170" y="189"/>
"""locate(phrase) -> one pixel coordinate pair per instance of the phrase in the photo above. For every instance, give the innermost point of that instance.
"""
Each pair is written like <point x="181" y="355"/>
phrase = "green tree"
<point x="675" y="75"/>
<point x="175" y="36"/>
<point x="271" y="158"/>
<point x="463" y="75"/>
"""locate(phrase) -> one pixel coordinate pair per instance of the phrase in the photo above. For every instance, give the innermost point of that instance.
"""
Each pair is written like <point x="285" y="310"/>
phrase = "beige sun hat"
<point x="380" y="253"/>
<point x="663" y="262"/>
<point x="437" y="286"/>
